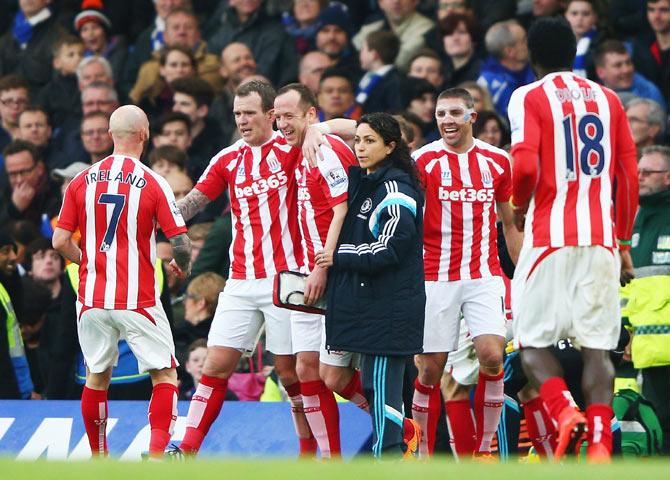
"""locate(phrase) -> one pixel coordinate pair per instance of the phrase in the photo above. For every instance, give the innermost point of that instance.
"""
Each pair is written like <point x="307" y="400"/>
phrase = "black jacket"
<point x="385" y="96"/>
<point x="376" y="294"/>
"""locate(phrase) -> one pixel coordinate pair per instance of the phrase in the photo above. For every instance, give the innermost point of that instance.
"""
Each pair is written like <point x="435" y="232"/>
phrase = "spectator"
<point x="149" y="41"/>
<point x="195" y="360"/>
<point x="173" y="129"/>
<point x="488" y="12"/>
<point x="23" y="232"/>
<point x="237" y="65"/>
<point x="202" y="296"/>
<point x="180" y="183"/>
<point x="13" y="100"/>
<point x="167" y="158"/>
<point x="507" y="67"/>
<point x="94" y="69"/>
<point x="198" y="234"/>
<point x="95" y="29"/>
<point x="427" y="64"/>
<point x="193" y="97"/>
<point x="407" y="131"/>
<point x="334" y="38"/>
<point x="26" y="49"/>
<point x="174" y="62"/>
<point x="615" y="70"/>
<point x="336" y="96"/>
<point x="647" y="122"/>
<point x="448" y="7"/>
<point x="651" y="52"/>
<point x="34" y="127"/>
<point x="15" y="380"/>
<point x="378" y="89"/>
<point x="45" y="266"/>
<point x="542" y="8"/>
<point x="31" y="194"/>
<point x="648" y="308"/>
<point x="490" y="128"/>
<point x="628" y="18"/>
<point x="460" y="37"/>
<point x="401" y="18"/>
<point x="411" y="126"/>
<point x="583" y="17"/>
<point x="95" y="136"/>
<point x="245" y="21"/>
<point x="421" y="102"/>
<point x="312" y="66"/>
<point x="301" y="22"/>
<point x="60" y="97"/>
<point x="480" y="95"/>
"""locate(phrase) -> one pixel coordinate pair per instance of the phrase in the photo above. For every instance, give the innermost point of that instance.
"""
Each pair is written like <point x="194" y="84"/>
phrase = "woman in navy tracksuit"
<point x="376" y="295"/>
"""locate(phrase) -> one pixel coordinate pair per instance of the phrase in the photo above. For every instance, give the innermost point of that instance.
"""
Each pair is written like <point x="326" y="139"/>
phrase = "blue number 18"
<point x="592" y="145"/>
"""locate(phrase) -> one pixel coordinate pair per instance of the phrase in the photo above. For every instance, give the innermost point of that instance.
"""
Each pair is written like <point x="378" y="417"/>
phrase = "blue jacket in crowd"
<point x="501" y="82"/>
<point x="376" y="294"/>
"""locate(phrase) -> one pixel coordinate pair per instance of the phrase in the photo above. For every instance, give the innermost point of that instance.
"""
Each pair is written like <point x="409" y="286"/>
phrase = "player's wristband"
<point x="624" y="244"/>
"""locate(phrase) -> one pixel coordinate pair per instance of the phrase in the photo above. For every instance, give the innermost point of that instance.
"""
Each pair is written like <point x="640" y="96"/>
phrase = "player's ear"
<point x="473" y="117"/>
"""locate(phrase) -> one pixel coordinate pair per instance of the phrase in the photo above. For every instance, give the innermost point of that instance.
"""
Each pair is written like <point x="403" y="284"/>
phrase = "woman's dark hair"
<point x="482" y="120"/>
<point x="388" y="128"/>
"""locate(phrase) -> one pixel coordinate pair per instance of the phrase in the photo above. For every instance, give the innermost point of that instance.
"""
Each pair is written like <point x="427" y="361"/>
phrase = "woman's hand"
<point x="324" y="258"/>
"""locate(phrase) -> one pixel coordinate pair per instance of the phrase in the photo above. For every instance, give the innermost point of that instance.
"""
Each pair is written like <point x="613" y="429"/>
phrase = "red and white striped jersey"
<point x="459" y="221"/>
<point x="116" y="204"/>
<point x="319" y="190"/>
<point x="263" y="200"/>
<point x="570" y="138"/>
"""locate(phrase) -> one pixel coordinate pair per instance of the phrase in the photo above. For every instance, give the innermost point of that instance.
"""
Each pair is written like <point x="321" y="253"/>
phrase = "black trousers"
<point x="656" y="389"/>
<point x="382" y="378"/>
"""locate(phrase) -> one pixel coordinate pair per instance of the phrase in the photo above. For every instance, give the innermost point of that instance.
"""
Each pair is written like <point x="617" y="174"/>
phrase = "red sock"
<point x="426" y="406"/>
<point x="556" y="396"/>
<point x="162" y="416"/>
<point x="308" y="444"/>
<point x="541" y="429"/>
<point x="205" y="406"/>
<point x="354" y="392"/>
<point x="461" y="423"/>
<point x="94" y="413"/>
<point x="599" y="421"/>
<point x="323" y="416"/>
<point x="489" y="399"/>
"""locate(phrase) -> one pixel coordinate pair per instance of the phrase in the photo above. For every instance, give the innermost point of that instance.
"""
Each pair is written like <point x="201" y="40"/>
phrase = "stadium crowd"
<point x="66" y="65"/>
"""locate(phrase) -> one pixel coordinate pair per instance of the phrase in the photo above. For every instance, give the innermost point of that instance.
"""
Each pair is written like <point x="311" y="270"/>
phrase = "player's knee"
<point x="307" y="367"/>
<point x="335" y="378"/>
<point x="430" y="370"/>
<point x="220" y="362"/>
<point x="165" y="375"/>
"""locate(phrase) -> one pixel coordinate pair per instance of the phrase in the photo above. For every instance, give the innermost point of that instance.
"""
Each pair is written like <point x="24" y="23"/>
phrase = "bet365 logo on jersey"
<point x="263" y="185"/>
<point x="466" y="195"/>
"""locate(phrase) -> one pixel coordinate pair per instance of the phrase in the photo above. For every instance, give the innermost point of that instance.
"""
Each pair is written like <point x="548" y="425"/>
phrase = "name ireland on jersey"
<point x="262" y="185"/>
<point x="106" y="176"/>
<point x="466" y="195"/>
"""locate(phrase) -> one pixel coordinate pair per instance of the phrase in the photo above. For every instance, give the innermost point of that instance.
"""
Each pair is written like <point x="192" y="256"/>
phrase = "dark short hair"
<point x="263" y="89"/>
<point x="608" y="46"/>
<point x="18" y="146"/>
<point x="34" y="109"/>
<point x="183" y="11"/>
<point x="552" y="44"/>
<point x="458" y="92"/>
<point x="386" y="44"/>
<point x="337" y="72"/>
<point x="40" y="244"/>
<point x="417" y="88"/>
<point x="13" y="82"/>
<point x="169" y="117"/>
<point x="179" y="48"/>
<point x="483" y="118"/>
<point x="450" y="23"/>
<point x="201" y="91"/>
<point x="307" y="97"/>
<point x="65" y="41"/>
<point x="428" y="53"/>
<point x="170" y="154"/>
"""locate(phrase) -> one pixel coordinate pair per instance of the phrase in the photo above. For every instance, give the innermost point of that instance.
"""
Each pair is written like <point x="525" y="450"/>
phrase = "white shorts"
<point x="569" y="292"/>
<point x="146" y="330"/>
<point x="244" y="307"/>
<point x="308" y="334"/>
<point x="481" y="301"/>
<point x="463" y="364"/>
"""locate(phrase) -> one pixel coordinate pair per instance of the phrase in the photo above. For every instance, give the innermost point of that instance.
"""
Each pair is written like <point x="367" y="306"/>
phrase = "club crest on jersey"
<point x="487" y="179"/>
<point x="446" y="178"/>
<point x="241" y="174"/>
<point x="367" y="206"/>
<point x="273" y="162"/>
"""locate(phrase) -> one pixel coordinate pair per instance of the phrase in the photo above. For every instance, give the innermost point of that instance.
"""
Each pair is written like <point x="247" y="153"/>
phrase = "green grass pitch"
<point x="309" y="470"/>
